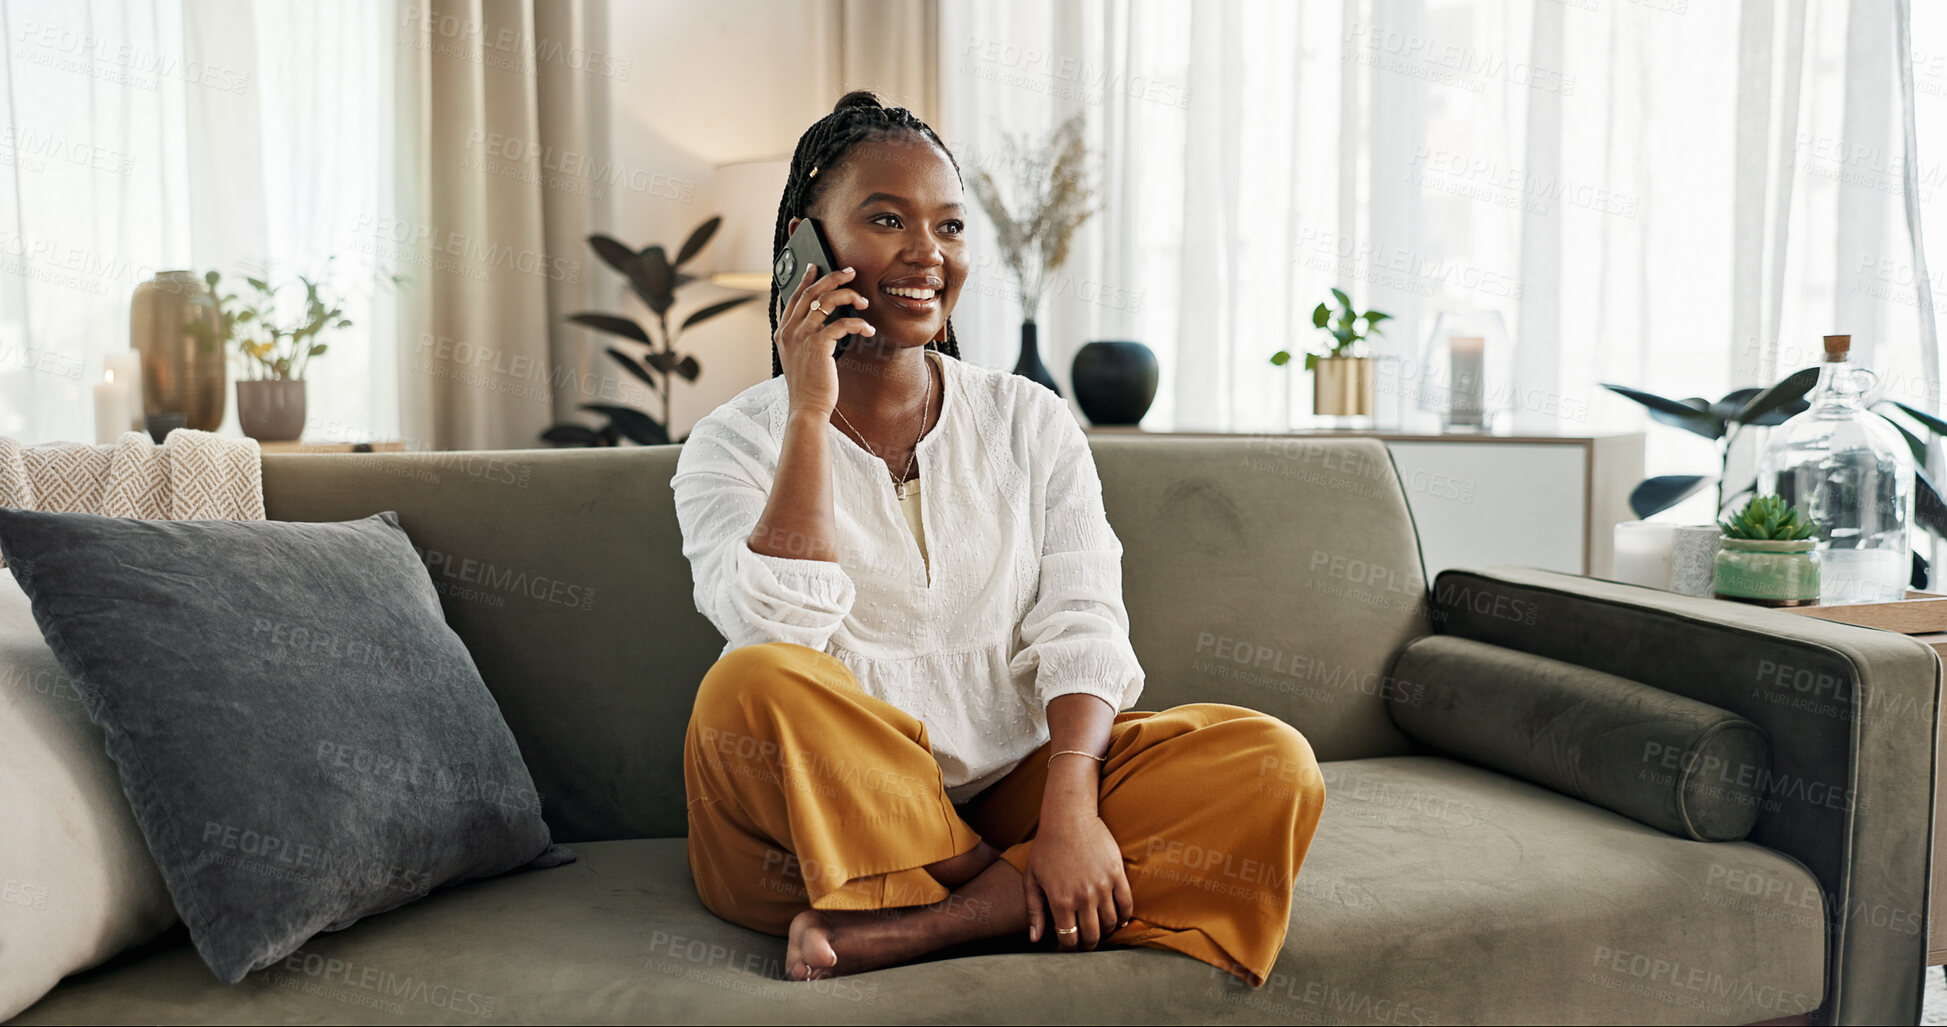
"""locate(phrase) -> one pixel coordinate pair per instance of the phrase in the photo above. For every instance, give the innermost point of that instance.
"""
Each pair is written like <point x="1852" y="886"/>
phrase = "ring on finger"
<point x="1067" y="930"/>
<point x="816" y="308"/>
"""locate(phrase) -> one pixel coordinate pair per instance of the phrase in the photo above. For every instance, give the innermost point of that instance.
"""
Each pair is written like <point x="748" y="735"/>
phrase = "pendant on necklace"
<point x="899" y="489"/>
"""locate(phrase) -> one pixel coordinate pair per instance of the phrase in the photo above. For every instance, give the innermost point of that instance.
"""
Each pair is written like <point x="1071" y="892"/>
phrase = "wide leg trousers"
<point x="805" y="792"/>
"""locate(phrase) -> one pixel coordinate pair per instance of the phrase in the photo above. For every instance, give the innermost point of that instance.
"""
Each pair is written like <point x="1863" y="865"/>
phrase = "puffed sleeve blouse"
<point x="1018" y="598"/>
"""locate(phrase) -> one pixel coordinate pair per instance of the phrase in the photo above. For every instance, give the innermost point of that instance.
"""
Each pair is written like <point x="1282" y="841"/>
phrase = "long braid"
<point x="858" y="117"/>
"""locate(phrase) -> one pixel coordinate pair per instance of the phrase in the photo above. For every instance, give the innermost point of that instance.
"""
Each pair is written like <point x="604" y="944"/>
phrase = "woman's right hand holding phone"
<point x="805" y="343"/>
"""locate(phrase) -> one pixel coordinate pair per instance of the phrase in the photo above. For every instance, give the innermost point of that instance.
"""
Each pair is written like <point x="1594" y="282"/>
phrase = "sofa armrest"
<point x="1851" y="712"/>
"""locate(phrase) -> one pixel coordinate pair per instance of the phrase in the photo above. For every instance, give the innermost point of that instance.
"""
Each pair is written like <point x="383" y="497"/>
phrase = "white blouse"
<point x="1022" y="601"/>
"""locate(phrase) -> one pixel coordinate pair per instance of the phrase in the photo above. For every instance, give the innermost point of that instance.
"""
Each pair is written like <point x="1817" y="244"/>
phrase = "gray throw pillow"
<point x="1674" y="763"/>
<point x="303" y="740"/>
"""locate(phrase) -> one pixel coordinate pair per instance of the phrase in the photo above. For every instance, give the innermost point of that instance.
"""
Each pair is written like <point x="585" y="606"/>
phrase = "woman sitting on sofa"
<point x="912" y="739"/>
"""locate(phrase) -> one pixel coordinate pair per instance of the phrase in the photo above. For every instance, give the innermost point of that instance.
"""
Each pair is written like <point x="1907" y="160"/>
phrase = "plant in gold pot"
<point x="1770" y="555"/>
<point x="1342" y="379"/>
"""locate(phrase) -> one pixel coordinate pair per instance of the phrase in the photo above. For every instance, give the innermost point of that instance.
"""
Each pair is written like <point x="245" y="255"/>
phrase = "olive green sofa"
<point x="1277" y="574"/>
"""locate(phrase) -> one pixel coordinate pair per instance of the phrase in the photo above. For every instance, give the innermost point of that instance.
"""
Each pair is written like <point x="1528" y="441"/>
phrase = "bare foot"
<point x="834" y="943"/>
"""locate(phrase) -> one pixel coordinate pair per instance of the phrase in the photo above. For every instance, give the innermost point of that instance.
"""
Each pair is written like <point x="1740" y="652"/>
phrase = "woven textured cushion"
<point x="1671" y="762"/>
<point x="302" y="739"/>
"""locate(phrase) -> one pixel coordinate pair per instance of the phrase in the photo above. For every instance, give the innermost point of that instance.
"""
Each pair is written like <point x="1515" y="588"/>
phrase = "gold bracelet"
<point x="1075" y="752"/>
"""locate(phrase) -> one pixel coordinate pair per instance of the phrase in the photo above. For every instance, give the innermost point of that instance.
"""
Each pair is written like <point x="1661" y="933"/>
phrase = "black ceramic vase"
<point x="1030" y="365"/>
<point x="1115" y="381"/>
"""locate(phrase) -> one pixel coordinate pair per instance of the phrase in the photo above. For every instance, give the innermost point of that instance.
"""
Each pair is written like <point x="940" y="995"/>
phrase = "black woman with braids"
<point x="919" y="733"/>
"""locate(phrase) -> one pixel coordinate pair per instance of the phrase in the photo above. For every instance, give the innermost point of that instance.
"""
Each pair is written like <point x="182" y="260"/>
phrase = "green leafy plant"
<point x="650" y="357"/>
<point x="270" y="347"/>
<point x="1769" y="518"/>
<point x="1722" y="420"/>
<point x="1719" y="421"/>
<point x="1347" y="328"/>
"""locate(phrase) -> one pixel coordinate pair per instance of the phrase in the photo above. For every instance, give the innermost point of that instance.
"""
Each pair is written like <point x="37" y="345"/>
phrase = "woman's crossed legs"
<point x="817" y="812"/>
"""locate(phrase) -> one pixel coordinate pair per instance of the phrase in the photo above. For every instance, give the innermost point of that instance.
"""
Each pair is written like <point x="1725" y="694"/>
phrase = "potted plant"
<point x="655" y="279"/>
<point x="1342" y="379"/>
<point x="1769" y="556"/>
<point x="1724" y="421"/>
<point x="1052" y="197"/>
<point x="275" y="354"/>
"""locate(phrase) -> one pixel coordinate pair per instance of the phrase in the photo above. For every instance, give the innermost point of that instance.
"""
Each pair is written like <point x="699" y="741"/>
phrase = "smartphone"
<point x="806" y="248"/>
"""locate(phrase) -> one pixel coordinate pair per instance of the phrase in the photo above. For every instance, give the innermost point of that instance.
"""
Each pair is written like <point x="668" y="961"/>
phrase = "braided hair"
<point x="859" y="117"/>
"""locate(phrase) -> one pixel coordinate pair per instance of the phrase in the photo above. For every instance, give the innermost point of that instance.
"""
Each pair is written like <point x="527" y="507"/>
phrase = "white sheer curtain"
<point x="146" y="135"/>
<point x="1682" y="195"/>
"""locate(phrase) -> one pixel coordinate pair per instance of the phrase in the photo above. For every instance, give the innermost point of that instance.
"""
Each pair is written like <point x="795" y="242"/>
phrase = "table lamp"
<point x="748" y="195"/>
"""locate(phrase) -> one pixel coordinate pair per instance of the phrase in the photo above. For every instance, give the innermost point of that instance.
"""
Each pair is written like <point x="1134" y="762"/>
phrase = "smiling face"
<point x="894" y="212"/>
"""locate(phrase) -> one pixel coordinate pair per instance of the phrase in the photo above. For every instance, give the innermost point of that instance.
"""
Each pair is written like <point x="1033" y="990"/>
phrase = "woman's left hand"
<point x="1075" y="878"/>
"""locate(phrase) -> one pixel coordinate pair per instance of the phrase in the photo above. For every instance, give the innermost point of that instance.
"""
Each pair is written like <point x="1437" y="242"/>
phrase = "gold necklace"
<point x="898" y="484"/>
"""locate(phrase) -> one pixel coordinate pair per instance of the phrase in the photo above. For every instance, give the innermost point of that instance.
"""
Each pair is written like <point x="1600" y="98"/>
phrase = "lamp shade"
<point x="748" y="195"/>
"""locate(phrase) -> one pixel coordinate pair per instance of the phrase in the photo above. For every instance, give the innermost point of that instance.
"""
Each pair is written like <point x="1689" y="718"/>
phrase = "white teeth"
<point x="911" y="294"/>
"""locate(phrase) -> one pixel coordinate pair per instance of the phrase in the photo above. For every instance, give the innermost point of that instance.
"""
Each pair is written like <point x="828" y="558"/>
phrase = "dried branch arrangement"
<point x="1049" y="196"/>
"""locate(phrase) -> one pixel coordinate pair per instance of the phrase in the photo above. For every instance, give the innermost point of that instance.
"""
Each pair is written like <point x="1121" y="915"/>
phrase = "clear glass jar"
<point x="1849" y="470"/>
<point x="1466" y="372"/>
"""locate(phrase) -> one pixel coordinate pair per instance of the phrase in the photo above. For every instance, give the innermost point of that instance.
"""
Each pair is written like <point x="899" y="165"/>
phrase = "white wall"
<point x="711" y="84"/>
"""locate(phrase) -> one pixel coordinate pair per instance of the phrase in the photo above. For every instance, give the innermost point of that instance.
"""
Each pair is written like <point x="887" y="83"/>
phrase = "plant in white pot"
<point x="275" y="353"/>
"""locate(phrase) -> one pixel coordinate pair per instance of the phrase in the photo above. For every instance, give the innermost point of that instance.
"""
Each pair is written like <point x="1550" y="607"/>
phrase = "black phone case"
<point x="807" y="247"/>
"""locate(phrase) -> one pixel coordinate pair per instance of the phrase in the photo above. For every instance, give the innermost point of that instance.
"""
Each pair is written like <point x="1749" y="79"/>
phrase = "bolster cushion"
<point x="1671" y="762"/>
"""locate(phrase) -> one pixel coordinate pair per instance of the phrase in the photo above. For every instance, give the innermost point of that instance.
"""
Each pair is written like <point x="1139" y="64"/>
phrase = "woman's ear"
<point x="791" y="226"/>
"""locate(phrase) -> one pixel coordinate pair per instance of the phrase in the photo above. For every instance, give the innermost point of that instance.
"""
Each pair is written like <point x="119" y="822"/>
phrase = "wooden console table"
<point x="1549" y="501"/>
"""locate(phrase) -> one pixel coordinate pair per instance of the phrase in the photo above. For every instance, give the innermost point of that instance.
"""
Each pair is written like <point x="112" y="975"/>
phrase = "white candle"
<point x="1466" y="363"/>
<point x="127" y="368"/>
<point x="111" y="408"/>
<point x="1643" y="552"/>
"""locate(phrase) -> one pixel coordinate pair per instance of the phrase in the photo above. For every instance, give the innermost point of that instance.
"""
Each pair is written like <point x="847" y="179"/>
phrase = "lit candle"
<point x="1643" y="553"/>
<point x="127" y="368"/>
<point x="1468" y="391"/>
<point x="111" y="408"/>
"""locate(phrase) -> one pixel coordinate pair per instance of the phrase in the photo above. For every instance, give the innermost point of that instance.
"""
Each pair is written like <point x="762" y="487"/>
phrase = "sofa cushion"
<point x="1271" y="572"/>
<point x="573" y="598"/>
<point x="302" y="739"/>
<point x="1437" y="892"/>
<point x="1434" y="893"/>
<point x="619" y="937"/>
<point x="1674" y="763"/>
<point x="76" y="882"/>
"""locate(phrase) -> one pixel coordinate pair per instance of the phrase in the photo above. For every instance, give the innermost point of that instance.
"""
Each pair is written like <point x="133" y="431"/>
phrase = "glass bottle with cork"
<point x="1848" y="469"/>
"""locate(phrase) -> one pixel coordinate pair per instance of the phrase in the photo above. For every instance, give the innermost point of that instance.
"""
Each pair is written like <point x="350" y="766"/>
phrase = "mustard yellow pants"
<point x="805" y="792"/>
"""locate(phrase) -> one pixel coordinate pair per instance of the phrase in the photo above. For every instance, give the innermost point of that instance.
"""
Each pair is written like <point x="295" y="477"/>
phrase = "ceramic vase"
<point x="181" y="373"/>
<point x="1030" y="365"/>
<point x="271" y="409"/>
<point x="1115" y="381"/>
